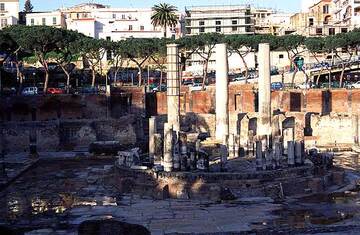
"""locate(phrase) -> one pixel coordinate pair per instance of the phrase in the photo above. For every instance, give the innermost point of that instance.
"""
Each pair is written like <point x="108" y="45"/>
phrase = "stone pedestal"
<point x="291" y="153"/>
<point x="259" y="156"/>
<point x="299" y="153"/>
<point x="222" y="93"/>
<point x="264" y="81"/>
<point x="277" y="155"/>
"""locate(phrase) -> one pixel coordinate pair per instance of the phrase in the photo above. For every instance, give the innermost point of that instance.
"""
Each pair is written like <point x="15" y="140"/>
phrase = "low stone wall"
<point x="45" y="108"/>
<point x="222" y="186"/>
<point x="69" y="135"/>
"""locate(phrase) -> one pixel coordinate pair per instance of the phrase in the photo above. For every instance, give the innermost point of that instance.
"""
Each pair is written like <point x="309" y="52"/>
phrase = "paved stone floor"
<point x="54" y="197"/>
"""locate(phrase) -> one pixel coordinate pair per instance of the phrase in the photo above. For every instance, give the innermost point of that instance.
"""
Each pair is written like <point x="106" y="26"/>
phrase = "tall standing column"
<point x="222" y="93"/>
<point x="173" y="87"/>
<point x="264" y="80"/>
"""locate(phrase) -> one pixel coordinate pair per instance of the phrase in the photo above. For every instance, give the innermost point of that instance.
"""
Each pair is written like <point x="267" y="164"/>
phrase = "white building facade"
<point x="9" y="12"/>
<point x="115" y="24"/>
<point x="54" y="18"/>
<point x="219" y="19"/>
<point x="347" y="13"/>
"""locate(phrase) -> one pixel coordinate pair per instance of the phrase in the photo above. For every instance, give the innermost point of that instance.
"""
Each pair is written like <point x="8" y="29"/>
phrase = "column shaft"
<point x="222" y="93"/>
<point x="264" y="80"/>
<point x="173" y="87"/>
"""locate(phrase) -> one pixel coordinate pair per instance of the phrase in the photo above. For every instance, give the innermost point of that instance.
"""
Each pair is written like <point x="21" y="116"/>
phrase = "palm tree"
<point x="164" y="15"/>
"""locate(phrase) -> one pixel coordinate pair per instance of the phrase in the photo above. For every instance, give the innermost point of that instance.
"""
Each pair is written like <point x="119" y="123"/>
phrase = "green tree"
<point x="242" y="45"/>
<point x="93" y="51"/>
<point x="28" y="7"/>
<point x="159" y="57"/>
<point x="42" y="40"/>
<point x="316" y="46"/>
<point x="139" y="50"/>
<point x="7" y="47"/>
<point x="118" y="57"/>
<point x="164" y="15"/>
<point x="343" y="46"/>
<point x="294" y="46"/>
<point x="187" y="47"/>
<point x="206" y="44"/>
<point x="67" y="52"/>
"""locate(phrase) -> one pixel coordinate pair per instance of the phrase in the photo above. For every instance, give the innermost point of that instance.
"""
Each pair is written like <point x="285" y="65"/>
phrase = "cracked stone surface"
<point x="54" y="197"/>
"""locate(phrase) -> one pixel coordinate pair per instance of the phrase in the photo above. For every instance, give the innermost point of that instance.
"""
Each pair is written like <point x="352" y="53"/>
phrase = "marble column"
<point x="264" y="80"/>
<point x="168" y="147"/>
<point x="152" y="132"/>
<point x="222" y="93"/>
<point x="173" y="87"/>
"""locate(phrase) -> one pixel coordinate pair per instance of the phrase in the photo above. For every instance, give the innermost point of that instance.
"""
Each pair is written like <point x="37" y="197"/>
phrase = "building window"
<point x="123" y="17"/>
<point x="142" y="28"/>
<point x="188" y="31"/>
<point x="319" y="31"/>
<point x="114" y="16"/>
<point x="218" y="29"/>
<point x="2" y="6"/>
<point x="326" y="9"/>
<point x="311" y="22"/>
<point x="331" y="31"/>
<point x="344" y="30"/>
<point x="3" y="23"/>
<point x="281" y="56"/>
<point x="202" y="30"/>
<point x="234" y="28"/>
<point x="234" y="22"/>
<point x="54" y="21"/>
<point x="43" y="21"/>
<point x="130" y="27"/>
<point x="32" y="22"/>
<point x="201" y="23"/>
<point x="108" y="38"/>
<point x="218" y="22"/>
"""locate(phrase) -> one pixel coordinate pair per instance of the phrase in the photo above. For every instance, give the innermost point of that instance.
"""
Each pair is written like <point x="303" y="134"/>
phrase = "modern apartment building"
<point x="219" y="19"/>
<point x="9" y="12"/>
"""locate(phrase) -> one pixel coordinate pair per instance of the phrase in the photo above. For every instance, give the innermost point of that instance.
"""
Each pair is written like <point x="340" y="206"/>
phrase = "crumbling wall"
<point x="332" y="129"/>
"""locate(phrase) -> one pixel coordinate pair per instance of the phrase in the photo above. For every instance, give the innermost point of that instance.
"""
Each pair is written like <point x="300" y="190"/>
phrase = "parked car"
<point x="54" y="90"/>
<point x="187" y="82"/>
<point x="8" y="91"/>
<point x="325" y="85"/>
<point x="29" y="91"/>
<point x="163" y="88"/>
<point x="355" y="85"/>
<point x="276" y="86"/>
<point x="303" y="86"/>
<point x="88" y="90"/>
<point x="238" y="78"/>
<point x="196" y="87"/>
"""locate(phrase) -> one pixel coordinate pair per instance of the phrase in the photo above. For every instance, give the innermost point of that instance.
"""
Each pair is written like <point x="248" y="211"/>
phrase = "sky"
<point x="284" y="5"/>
